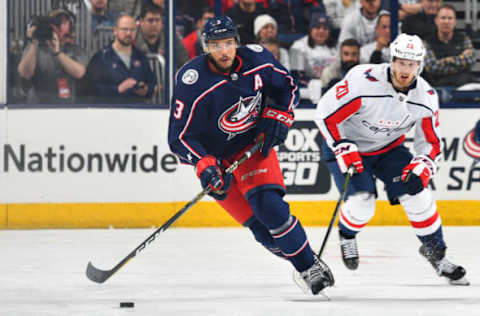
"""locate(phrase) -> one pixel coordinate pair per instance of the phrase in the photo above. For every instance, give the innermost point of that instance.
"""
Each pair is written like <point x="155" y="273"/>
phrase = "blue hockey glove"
<point x="210" y="174"/>
<point x="274" y="125"/>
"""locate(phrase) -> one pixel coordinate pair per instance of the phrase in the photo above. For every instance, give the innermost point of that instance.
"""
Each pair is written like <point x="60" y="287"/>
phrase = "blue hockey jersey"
<point x="216" y="114"/>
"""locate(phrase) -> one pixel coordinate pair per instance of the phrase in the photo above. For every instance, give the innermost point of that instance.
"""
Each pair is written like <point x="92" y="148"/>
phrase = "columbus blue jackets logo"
<point x="471" y="146"/>
<point x="241" y="116"/>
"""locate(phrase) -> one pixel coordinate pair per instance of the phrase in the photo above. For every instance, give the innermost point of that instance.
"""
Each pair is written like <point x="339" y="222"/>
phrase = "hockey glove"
<point x="274" y="125"/>
<point x="210" y="174"/>
<point x="346" y="153"/>
<point x="417" y="174"/>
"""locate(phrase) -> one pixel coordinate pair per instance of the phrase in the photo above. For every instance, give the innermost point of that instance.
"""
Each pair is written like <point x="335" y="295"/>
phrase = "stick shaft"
<point x="100" y="276"/>
<point x="337" y="207"/>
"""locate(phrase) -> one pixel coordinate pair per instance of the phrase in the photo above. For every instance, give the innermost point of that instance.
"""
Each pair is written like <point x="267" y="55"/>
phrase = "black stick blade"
<point x="97" y="275"/>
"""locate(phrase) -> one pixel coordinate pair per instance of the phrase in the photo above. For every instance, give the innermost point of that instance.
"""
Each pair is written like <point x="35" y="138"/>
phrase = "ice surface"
<point x="225" y="272"/>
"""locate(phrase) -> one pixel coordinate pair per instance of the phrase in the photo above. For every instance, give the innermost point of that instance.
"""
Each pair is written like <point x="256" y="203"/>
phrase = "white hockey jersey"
<point x="311" y="60"/>
<point x="365" y="108"/>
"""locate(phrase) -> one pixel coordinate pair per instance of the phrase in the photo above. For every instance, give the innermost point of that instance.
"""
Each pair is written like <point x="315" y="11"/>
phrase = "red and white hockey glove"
<point x="210" y="174"/>
<point x="274" y="125"/>
<point x="347" y="155"/>
<point x="417" y="174"/>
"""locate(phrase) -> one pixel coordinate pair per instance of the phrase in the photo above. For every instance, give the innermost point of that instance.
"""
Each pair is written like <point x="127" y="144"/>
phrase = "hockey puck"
<point x="127" y="304"/>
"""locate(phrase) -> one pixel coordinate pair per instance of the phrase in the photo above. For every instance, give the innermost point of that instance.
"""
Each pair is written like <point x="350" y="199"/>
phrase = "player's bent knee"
<point x="418" y="203"/>
<point x="270" y="208"/>
<point x="360" y="207"/>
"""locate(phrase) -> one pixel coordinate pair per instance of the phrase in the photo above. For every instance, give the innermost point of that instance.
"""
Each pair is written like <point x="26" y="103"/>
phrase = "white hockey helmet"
<point x="408" y="47"/>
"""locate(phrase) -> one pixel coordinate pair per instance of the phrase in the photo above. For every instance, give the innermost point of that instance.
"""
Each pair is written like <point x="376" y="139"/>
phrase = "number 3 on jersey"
<point x="179" y="106"/>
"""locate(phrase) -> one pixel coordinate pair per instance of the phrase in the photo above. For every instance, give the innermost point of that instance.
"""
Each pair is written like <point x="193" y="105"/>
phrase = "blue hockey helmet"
<point x="219" y="27"/>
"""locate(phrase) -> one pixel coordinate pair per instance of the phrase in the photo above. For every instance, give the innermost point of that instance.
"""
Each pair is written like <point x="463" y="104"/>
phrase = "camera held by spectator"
<point x="43" y="27"/>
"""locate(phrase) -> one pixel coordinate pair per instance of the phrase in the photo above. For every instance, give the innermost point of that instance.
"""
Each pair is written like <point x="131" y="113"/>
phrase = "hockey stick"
<point x="100" y="276"/>
<point x="350" y="173"/>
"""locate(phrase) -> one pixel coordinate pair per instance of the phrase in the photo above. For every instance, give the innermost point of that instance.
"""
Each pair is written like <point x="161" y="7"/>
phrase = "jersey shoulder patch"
<point x="255" y="47"/>
<point x="190" y="76"/>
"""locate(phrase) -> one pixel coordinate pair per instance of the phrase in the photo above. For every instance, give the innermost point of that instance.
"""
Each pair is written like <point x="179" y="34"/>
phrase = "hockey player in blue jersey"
<point x="217" y="111"/>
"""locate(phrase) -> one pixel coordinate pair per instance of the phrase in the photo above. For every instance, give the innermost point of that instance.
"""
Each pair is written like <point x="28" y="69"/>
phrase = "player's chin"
<point x="225" y="65"/>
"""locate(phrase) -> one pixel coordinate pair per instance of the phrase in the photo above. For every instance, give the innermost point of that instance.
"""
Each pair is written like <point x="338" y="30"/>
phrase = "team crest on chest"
<point x="241" y="116"/>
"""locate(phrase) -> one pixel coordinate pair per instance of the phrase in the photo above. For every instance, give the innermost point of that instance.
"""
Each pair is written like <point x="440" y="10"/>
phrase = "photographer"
<point x="52" y="63"/>
<point x="120" y="73"/>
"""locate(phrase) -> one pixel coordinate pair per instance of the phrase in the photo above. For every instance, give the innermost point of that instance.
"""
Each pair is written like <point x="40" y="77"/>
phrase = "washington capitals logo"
<point x="369" y="76"/>
<point x="241" y="116"/>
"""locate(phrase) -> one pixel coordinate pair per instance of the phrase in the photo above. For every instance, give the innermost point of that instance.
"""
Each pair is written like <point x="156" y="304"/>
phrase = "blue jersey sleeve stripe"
<point x="292" y="104"/>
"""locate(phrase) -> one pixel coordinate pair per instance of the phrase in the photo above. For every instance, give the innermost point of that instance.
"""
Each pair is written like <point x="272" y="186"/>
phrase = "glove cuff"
<point x="426" y="162"/>
<point x="341" y="145"/>
<point x="204" y="163"/>
<point x="281" y="116"/>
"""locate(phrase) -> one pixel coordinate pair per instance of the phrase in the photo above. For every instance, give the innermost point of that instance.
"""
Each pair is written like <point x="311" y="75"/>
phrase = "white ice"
<point x="223" y="271"/>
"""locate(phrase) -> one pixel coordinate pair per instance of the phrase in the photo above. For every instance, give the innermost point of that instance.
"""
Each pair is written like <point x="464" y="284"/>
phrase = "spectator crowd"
<point x="318" y="41"/>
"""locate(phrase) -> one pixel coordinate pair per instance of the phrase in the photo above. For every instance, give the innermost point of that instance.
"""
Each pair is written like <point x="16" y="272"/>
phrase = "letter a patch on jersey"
<point x="258" y="82"/>
<point x="342" y="90"/>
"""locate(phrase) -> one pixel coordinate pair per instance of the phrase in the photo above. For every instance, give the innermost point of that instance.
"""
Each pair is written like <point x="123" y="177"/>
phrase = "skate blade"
<point x="324" y="295"/>
<point x="300" y="282"/>
<point x="462" y="281"/>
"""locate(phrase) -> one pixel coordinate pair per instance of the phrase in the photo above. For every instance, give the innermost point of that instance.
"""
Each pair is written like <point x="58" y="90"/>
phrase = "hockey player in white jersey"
<point x="364" y="119"/>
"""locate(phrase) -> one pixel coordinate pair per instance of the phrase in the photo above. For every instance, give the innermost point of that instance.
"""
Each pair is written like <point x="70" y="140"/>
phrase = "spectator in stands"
<point x="408" y="7"/>
<point x="122" y="5"/>
<point x="349" y="58"/>
<point x="192" y="41"/>
<point x="151" y="36"/>
<point x="280" y="53"/>
<point x="52" y="63"/>
<point x="191" y="8"/>
<point x="101" y="15"/>
<point x="120" y="73"/>
<point x="292" y="15"/>
<point x="360" y="24"/>
<point x="378" y="52"/>
<point x="243" y="14"/>
<point x="450" y="55"/>
<point x="184" y="20"/>
<point x="265" y="29"/>
<point x="310" y="55"/>
<point x="336" y="11"/>
<point x="422" y="23"/>
<point x="226" y="4"/>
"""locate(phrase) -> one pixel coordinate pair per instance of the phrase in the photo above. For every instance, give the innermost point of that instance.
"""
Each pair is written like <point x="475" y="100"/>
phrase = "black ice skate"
<point x="454" y="274"/>
<point x="315" y="279"/>
<point x="349" y="250"/>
